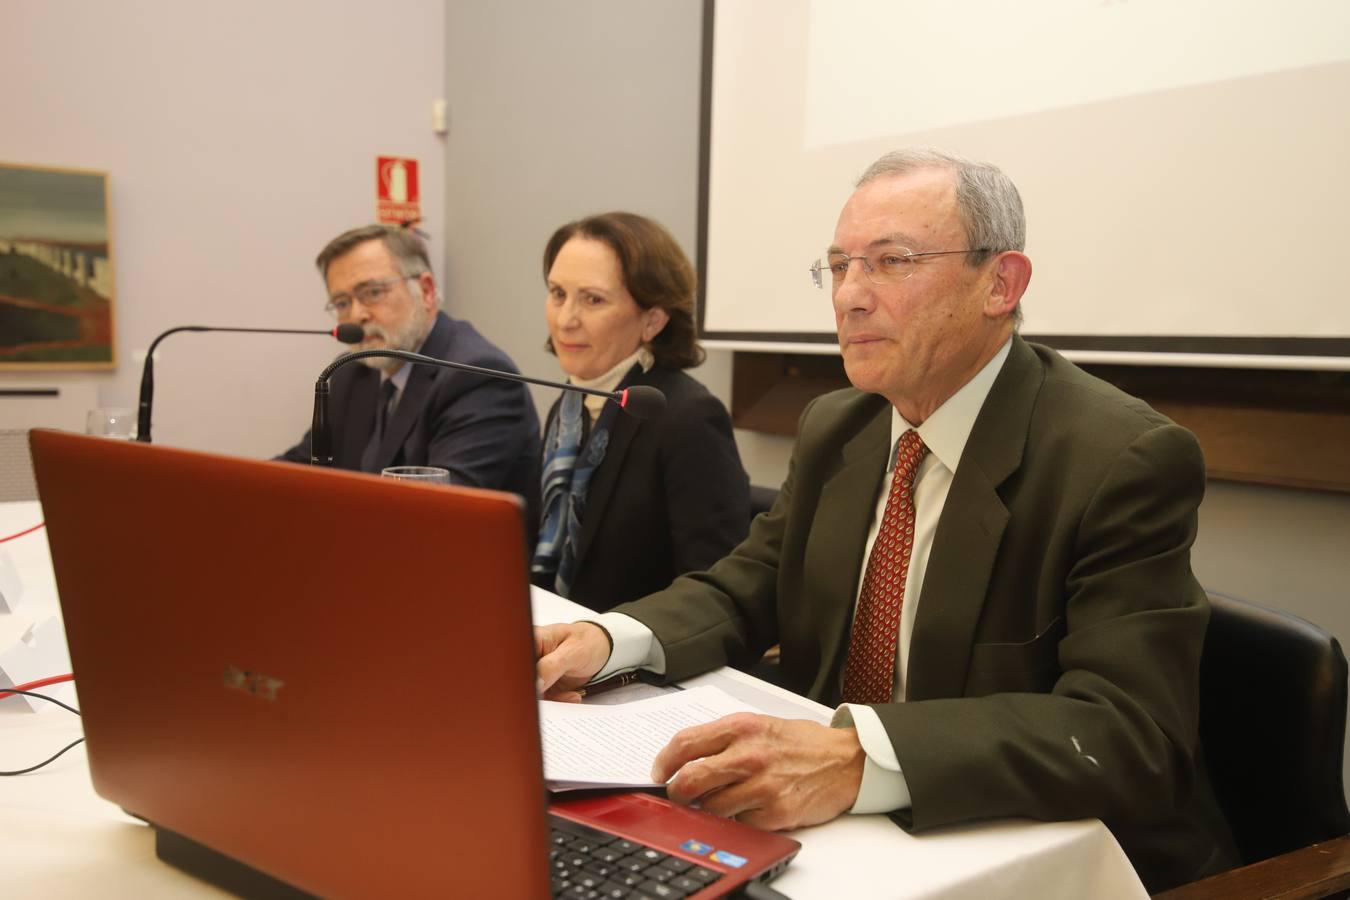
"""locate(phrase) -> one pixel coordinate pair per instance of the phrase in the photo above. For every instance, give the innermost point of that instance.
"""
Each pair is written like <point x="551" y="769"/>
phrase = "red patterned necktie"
<point x="869" y="674"/>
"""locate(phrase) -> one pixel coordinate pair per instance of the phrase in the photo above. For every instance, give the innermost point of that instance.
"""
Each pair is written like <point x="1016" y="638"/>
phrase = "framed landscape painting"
<point x="56" y="271"/>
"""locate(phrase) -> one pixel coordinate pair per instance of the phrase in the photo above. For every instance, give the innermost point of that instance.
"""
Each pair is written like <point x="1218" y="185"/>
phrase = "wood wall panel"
<point x="1287" y="428"/>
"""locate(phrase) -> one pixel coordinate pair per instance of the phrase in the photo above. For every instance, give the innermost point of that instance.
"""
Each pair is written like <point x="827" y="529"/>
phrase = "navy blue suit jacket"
<point x="483" y="430"/>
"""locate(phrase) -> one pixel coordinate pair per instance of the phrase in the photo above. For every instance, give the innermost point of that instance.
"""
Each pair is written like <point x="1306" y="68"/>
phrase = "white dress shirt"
<point x="945" y="434"/>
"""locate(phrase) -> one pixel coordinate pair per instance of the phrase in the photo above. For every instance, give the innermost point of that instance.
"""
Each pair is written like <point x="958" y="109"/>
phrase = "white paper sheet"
<point x="589" y="746"/>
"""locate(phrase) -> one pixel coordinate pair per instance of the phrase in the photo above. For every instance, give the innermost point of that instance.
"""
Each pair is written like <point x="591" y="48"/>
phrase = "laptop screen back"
<point x="324" y="675"/>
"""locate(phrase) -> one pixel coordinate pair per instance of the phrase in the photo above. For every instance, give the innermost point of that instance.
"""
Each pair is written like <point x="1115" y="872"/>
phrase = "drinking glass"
<point x="424" y="474"/>
<point x="113" y="422"/>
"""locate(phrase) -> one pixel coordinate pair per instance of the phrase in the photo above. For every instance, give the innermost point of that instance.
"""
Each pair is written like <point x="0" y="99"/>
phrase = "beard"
<point x="406" y="336"/>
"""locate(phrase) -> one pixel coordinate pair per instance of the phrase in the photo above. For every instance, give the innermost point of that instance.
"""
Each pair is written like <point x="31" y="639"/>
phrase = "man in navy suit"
<point x="385" y="412"/>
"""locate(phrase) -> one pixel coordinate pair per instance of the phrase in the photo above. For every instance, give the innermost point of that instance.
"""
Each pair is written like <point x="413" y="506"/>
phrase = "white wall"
<point x="1278" y="547"/>
<point x="558" y="111"/>
<point x="239" y="138"/>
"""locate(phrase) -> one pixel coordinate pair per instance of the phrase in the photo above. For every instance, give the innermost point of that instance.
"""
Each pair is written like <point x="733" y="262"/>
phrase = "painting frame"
<point x="57" y="286"/>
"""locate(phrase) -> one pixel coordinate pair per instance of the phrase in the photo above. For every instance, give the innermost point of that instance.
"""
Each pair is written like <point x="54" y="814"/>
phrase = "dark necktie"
<point x="371" y="454"/>
<point x="869" y="673"/>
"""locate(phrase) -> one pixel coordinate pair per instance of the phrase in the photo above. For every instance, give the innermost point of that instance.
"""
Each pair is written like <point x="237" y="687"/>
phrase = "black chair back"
<point x="1272" y="724"/>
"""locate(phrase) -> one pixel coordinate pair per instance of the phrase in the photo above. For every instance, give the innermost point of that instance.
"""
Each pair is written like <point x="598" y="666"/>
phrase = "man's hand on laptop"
<point x="765" y="771"/>
<point x="569" y="656"/>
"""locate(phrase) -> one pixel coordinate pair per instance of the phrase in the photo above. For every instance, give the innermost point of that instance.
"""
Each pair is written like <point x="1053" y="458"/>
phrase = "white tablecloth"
<point x="61" y="840"/>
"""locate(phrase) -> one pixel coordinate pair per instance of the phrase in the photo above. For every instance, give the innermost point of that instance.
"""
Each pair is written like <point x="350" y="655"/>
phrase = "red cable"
<point x="22" y="533"/>
<point x="34" y="685"/>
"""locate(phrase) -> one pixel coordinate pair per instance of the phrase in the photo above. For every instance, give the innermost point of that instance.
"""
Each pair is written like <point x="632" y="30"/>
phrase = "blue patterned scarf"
<point x="571" y="457"/>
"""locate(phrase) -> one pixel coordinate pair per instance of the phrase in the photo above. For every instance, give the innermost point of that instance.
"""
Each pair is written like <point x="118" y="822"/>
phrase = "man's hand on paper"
<point x="569" y="656"/>
<point x="768" y="772"/>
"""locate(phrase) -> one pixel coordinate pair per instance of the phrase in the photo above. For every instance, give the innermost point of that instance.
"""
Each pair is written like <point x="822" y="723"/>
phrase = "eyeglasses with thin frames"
<point x="371" y="293"/>
<point x="888" y="265"/>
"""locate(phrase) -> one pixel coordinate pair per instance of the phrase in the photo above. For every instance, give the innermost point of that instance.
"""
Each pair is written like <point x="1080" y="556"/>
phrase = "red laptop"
<point x="322" y="682"/>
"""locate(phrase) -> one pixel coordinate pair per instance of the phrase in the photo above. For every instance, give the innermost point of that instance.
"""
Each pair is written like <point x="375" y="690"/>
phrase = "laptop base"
<point x="200" y="861"/>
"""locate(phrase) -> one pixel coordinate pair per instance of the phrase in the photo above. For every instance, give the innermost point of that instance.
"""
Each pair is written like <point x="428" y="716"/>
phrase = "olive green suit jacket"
<point x="1053" y="666"/>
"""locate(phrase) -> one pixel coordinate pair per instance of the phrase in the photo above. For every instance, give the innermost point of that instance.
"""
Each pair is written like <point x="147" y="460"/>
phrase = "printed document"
<point x="614" y="746"/>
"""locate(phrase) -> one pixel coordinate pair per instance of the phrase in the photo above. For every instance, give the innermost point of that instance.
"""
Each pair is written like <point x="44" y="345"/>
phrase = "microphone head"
<point x="349" y="333"/>
<point x="643" y="401"/>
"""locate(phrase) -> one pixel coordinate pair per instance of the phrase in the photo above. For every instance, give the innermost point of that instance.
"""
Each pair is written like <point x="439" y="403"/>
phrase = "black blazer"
<point x="485" y="431"/>
<point x="670" y="497"/>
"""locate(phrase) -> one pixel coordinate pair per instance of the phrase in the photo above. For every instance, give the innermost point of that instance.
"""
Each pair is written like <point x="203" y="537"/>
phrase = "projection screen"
<point x="1184" y="164"/>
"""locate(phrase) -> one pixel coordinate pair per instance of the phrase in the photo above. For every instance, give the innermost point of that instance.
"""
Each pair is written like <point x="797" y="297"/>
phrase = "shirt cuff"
<point x="883" y="787"/>
<point x="635" y="647"/>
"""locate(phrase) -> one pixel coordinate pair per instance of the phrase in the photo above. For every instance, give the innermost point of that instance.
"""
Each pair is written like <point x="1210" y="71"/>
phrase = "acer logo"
<point x="257" y="684"/>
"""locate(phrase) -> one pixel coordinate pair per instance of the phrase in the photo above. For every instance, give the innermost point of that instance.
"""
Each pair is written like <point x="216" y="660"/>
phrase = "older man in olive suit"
<point x="981" y="550"/>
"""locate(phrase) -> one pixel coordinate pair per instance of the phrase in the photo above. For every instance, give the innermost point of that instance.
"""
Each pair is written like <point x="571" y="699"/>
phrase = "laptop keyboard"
<point x="591" y="864"/>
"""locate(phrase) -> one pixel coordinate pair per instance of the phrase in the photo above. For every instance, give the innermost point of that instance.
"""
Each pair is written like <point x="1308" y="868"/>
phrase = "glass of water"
<point x="424" y="474"/>
<point x="113" y="422"/>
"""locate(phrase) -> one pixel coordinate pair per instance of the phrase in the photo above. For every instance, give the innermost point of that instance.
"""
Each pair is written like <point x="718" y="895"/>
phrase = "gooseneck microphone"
<point x="640" y="400"/>
<point x="347" y="332"/>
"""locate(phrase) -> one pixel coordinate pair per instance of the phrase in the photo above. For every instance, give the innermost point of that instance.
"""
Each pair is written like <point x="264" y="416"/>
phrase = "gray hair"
<point x="407" y="249"/>
<point x="991" y="208"/>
